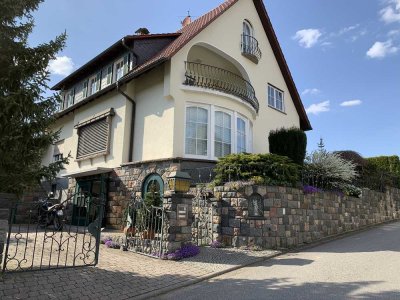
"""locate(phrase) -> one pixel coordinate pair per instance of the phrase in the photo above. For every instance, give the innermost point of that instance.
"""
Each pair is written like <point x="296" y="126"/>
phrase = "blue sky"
<point x="344" y="56"/>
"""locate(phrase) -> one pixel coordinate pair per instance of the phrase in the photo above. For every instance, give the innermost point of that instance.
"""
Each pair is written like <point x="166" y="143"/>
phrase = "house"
<point x="155" y="103"/>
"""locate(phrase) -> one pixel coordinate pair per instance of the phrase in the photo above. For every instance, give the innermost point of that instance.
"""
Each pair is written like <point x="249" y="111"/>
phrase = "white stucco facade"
<point x="161" y="99"/>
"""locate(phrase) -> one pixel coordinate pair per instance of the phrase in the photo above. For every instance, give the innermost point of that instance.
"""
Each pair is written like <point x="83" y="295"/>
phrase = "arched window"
<point x="153" y="183"/>
<point x="248" y="34"/>
<point x="256" y="206"/>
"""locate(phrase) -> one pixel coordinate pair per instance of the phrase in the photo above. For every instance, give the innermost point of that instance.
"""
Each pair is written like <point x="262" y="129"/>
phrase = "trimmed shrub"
<point x="270" y="169"/>
<point x="389" y="164"/>
<point x="290" y="142"/>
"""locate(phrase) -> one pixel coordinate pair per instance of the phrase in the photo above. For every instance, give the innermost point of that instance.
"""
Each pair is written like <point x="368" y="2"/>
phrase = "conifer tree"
<point x="26" y="113"/>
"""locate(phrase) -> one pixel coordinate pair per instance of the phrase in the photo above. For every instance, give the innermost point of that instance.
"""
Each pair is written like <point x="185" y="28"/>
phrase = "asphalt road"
<point x="361" y="266"/>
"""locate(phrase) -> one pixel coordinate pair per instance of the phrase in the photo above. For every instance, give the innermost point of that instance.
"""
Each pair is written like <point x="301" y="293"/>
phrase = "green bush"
<point x="327" y="170"/>
<point x="381" y="172"/>
<point x="270" y="169"/>
<point x="290" y="142"/>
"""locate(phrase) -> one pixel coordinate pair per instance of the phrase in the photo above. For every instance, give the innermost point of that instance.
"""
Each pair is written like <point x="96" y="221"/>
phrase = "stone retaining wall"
<point x="289" y="218"/>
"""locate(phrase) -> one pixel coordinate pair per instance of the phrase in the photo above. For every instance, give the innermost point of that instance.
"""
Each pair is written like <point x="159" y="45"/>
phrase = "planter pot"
<point x="148" y="234"/>
<point x="129" y="230"/>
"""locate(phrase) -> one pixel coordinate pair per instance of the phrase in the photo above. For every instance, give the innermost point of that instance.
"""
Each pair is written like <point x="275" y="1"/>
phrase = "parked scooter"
<point x="49" y="214"/>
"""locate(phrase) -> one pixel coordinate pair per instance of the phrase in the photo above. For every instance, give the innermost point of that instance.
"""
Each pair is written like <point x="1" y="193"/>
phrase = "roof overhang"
<point x="88" y="172"/>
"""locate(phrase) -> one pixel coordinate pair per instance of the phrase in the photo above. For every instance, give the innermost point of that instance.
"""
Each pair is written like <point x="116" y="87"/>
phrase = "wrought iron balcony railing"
<point x="221" y="80"/>
<point x="250" y="48"/>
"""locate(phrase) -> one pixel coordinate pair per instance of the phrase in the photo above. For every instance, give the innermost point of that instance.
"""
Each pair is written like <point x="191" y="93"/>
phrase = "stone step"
<point x="4" y="214"/>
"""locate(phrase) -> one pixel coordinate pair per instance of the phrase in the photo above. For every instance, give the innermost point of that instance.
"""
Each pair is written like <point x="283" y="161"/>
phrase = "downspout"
<point x="131" y="100"/>
<point x="132" y="119"/>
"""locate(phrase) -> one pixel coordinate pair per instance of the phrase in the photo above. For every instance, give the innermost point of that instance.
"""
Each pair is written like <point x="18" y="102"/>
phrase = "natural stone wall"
<point x="127" y="181"/>
<point x="290" y="218"/>
<point x="178" y="222"/>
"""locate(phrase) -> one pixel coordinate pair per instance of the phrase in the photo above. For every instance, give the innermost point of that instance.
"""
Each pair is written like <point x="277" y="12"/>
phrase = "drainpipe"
<point x="132" y="119"/>
<point x="130" y="99"/>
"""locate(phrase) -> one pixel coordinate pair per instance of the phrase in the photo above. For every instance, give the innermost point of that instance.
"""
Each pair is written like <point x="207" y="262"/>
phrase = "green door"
<point x="81" y="203"/>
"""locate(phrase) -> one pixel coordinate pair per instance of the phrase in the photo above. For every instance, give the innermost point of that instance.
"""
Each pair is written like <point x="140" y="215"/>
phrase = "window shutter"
<point x="93" y="138"/>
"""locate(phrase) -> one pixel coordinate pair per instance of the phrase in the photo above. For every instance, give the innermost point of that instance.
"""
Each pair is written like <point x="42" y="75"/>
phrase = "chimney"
<point x="186" y="21"/>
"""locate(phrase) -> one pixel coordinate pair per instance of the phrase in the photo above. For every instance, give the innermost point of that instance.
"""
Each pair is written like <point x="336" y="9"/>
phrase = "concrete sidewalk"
<point x="125" y="275"/>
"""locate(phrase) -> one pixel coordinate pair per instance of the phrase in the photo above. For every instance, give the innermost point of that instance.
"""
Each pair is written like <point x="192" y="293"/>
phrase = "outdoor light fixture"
<point x="179" y="182"/>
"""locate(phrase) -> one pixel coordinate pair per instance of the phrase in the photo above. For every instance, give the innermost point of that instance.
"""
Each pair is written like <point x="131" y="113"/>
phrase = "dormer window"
<point x="119" y="69"/>
<point x="250" y="48"/>
<point x="94" y="83"/>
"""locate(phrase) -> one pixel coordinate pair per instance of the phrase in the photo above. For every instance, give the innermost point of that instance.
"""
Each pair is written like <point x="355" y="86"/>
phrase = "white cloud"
<point x="313" y="91"/>
<point x="394" y="32"/>
<point x="307" y="38"/>
<point x="318" y="108"/>
<point x="62" y="65"/>
<point x="351" y="103"/>
<point x="348" y="29"/>
<point x="391" y="13"/>
<point x="382" y="49"/>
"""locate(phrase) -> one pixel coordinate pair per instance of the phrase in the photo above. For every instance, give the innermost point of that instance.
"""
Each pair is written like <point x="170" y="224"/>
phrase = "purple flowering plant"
<point x="185" y="251"/>
<point x="308" y="189"/>
<point x="216" y="244"/>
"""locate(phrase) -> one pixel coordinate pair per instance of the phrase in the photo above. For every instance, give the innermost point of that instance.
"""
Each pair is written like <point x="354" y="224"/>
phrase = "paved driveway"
<point x="362" y="266"/>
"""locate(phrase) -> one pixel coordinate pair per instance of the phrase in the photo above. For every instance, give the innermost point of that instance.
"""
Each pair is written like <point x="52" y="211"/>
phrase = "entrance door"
<point x="81" y="207"/>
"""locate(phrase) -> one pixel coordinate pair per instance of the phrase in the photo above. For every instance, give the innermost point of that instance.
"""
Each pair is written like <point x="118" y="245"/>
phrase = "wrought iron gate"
<point x="202" y="228"/>
<point x="33" y="244"/>
<point x="145" y="229"/>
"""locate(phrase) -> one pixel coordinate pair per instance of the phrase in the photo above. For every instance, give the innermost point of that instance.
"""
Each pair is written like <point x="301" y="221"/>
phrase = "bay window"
<point x="222" y="135"/>
<point x="241" y="135"/>
<point x="212" y="132"/>
<point x="196" y="131"/>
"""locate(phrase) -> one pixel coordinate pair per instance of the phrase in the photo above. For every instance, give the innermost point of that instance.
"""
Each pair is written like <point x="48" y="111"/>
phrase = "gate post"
<point x="3" y="233"/>
<point x="179" y="218"/>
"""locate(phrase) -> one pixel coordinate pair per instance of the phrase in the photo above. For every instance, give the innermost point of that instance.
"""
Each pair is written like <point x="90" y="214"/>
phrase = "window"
<point x="94" y="83"/>
<point x="256" y="206"/>
<point x="247" y="36"/>
<point x="223" y="134"/>
<point x="93" y="137"/>
<point x="275" y="98"/>
<point x="212" y="132"/>
<point x="109" y="74"/>
<point x="153" y="183"/>
<point x="85" y="88"/>
<point x="241" y="135"/>
<point x="69" y="98"/>
<point x="196" y="131"/>
<point x="119" y="69"/>
<point x="57" y="157"/>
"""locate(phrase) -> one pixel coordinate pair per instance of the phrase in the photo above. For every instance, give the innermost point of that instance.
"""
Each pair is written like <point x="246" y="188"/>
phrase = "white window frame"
<point x="116" y="67"/>
<point x="109" y="76"/>
<point x="233" y="128"/>
<point x="211" y="130"/>
<point x="206" y="107"/>
<point x="275" y="92"/>
<point x="97" y="80"/>
<point x="246" y="132"/>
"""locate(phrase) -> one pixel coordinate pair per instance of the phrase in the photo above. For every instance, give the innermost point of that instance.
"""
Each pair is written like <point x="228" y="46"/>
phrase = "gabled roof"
<point x="187" y="33"/>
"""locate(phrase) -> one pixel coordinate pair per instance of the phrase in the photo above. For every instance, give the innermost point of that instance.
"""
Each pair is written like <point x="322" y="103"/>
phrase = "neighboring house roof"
<point x="187" y="33"/>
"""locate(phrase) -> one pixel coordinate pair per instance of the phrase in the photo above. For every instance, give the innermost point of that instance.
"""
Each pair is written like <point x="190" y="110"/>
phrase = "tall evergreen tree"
<point x="26" y="114"/>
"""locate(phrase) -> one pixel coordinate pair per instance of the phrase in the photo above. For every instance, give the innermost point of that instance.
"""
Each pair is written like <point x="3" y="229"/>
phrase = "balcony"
<point x="250" y="48"/>
<point x="218" y="79"/>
